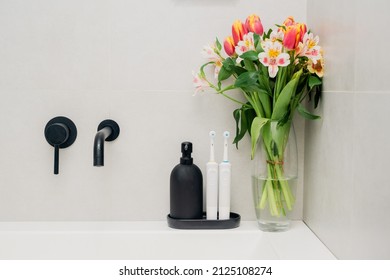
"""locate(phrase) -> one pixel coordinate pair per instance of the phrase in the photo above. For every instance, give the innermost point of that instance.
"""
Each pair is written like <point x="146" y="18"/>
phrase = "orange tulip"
<point x="229" y="46"/>
<point x="253" y="24"/>
<point x="238" y="31"/>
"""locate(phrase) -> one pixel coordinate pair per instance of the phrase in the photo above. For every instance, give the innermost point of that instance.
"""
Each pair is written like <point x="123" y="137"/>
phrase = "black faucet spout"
<point x="98" y="146"/>
<point x="108" y="130"/>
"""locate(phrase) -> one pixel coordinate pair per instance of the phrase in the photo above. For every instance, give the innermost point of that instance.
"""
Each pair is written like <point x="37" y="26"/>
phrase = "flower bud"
<point x="289" y="21"/>
<point x="238" y="31"/>
<point x="229" y="46"/>
<point x="253" y="24"/>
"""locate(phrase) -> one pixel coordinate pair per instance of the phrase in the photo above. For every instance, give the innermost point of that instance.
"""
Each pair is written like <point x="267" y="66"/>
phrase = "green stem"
<point x="271" y="195"/>
<point x="254" y="104"/>
<point x="264" y="196"/>
<point x="276" y="185"/>
<point x="234" y="100"/>
<point x="288" y="196"/>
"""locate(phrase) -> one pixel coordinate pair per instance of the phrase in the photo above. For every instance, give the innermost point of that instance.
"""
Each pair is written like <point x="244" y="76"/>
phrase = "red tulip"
<point x="238" y="31"/>
<point x="229" y="46"/>
<point x="253" y="24"/>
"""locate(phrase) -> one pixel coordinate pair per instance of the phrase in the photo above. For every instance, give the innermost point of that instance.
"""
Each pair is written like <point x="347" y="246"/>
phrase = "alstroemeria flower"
<point x="273" y="57"/>
<point x="310" y="47"/>
<point x="199" y="82"/>
<point x="317" y="67"/>
<point x="218" y="66"/>
<point x="209" y="53"/>
<point x="253" y="24"/>
<point x="276" y="35"/>
<point x="238" y="31"/>
<point x="245" y="45"/>
<point x="229" y="46"/>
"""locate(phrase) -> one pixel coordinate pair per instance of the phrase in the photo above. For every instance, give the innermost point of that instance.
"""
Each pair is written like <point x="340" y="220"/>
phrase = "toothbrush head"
<point x="212" y="134"/>
<point x="226" y="134"/>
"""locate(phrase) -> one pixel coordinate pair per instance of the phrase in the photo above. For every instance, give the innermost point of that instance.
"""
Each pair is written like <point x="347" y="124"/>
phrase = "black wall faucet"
<point x="60" y="132"/>
<point x="108" y="130"/>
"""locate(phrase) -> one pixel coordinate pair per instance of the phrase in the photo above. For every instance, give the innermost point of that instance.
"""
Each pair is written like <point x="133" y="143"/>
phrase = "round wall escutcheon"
<point x="114" y="127"/>
<point x="60" y="131"/>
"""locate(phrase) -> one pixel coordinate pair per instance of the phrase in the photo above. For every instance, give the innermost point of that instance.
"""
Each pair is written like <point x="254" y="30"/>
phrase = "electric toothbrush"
<point x="224" y="181"/>
<point x="212" y="183"/>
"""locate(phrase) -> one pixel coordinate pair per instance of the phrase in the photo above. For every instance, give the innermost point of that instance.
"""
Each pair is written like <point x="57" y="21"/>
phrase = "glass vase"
<point x="274" y="176"/>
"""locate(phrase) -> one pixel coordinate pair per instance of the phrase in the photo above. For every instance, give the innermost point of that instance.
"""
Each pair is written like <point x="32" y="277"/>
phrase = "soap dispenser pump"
<point x="186" y="187"/>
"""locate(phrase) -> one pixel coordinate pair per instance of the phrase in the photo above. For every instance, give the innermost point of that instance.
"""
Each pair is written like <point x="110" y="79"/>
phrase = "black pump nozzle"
<point x="186" y="150"/>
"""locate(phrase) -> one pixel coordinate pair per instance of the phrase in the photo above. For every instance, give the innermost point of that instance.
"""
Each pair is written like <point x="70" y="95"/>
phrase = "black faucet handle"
<point x="60" y="132"/>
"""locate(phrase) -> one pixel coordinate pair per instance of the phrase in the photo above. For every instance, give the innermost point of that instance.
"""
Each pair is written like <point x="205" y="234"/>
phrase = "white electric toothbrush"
<point x="224" y="182"/>
<point x="212" y="183"/>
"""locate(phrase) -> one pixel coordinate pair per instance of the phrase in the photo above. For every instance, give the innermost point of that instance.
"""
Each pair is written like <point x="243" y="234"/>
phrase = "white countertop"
<point x="154" y="240"/>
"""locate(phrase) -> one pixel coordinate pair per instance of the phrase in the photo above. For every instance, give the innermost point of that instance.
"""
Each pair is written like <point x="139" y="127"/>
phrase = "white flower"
<point x="273" y="57"/>
<point x="199" y="82"/>
<point x="209" y="53"/>
<point x="245" y="45"/>
<point x="310" y="47"/>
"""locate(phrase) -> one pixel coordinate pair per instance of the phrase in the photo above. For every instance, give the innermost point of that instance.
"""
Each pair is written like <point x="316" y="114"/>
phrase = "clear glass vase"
<point x="274" y="176"/>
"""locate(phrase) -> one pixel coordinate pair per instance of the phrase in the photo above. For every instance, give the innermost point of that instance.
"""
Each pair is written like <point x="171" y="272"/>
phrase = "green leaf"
<point x="237" y="116"/>
<point x="226" y="70"/>
<point x="285" y="118"/>
<point x="281" y="81"/>
<point x="265" y="101"/>
<point x="246" y="80"/>
<point x="243" y="128"/>
<point x="317" y="96"/>
<point x="250" y="55"/>
<point x="257" y="43"/>
<point x="229" y="64"/>
<point x="257" y="124"/>
<point x="314" y="81"/>
<point x="243" y="117"/>
<point x="224" y="74"/>
<point x="218" y="44"/>
<point x="250" y="116"/>
<point x="268" y="34"/>
<point x="264" y="84"/>
<point x="249" y="65"/>
<point x="306" y="114"/>
<point x="282" y="103"/>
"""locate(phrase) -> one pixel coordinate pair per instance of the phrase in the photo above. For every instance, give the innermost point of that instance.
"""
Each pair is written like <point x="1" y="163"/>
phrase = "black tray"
<point x="233" y="222"/>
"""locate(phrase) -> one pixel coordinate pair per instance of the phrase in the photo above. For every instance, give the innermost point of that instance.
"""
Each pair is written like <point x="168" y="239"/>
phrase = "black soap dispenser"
<point x="186" y="187"/>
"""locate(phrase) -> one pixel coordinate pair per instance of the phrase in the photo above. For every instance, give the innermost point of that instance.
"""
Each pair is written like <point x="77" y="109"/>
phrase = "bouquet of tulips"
<point x="275" y="71"/>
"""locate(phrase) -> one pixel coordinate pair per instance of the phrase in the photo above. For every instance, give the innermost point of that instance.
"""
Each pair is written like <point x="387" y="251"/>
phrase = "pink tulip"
<point x="238" y="31"/>
<point x="290" y="38"/>
<point x="293" y="33"/>
<point x="229" y="46"/>
<point x="302" y="31"/>
<point x="253" y="24"/>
